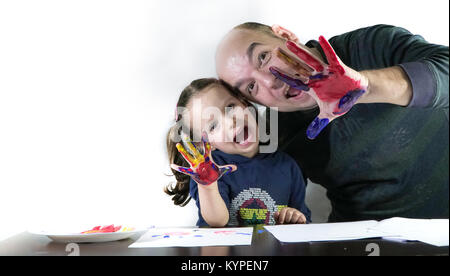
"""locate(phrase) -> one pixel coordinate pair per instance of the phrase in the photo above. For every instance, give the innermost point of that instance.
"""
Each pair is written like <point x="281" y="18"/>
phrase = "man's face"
<point x="243" y="60"/>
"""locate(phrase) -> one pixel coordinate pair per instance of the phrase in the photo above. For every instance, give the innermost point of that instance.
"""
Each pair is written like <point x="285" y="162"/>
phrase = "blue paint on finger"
<point x="294" y="83"/>
<point x="348" y="100"/>
<point x="317" y="77"/>
<point x="316" y="127"/>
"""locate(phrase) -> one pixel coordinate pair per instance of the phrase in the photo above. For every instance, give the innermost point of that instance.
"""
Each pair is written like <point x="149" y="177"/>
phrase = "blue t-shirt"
<point x="258" y="188"/>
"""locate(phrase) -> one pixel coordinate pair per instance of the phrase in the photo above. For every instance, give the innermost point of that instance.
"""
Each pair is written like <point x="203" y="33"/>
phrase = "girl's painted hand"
<point x="334" y="86"/>
<point x="202" y="168"/>
<point x="289" y="215"/>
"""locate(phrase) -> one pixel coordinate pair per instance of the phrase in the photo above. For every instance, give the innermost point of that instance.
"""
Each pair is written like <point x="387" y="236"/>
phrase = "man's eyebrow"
<point x="250" y="50"/>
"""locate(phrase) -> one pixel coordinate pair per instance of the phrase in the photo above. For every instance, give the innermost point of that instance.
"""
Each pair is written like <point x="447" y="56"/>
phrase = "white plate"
<point x="67" y="237"/>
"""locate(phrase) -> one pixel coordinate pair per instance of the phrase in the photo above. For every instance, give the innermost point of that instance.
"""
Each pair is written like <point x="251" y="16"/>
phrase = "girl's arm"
<point x="205" y="173"/>
<point x="212" y="207"/>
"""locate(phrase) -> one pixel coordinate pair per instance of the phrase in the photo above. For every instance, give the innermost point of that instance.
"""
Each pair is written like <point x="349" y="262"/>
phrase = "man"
<point x="389" y="154"/>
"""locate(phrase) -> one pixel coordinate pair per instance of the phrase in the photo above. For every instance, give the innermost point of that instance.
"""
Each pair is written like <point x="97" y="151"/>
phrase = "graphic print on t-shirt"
<point x="253" y="206"/>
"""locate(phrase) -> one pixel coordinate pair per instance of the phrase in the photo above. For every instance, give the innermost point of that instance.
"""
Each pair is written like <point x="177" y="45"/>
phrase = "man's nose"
<point x="268" y="80"/>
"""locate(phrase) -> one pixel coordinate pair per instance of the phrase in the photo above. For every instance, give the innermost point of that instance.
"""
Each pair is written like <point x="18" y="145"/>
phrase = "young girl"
<point x="236" y="185"/>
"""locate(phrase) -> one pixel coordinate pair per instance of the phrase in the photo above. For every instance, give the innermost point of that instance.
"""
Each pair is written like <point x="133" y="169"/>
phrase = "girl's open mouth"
<point x="242" y="136"/>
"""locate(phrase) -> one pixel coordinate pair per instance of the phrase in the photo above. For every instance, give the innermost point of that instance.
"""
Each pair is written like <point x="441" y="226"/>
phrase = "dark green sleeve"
<point x="384" y="46"/>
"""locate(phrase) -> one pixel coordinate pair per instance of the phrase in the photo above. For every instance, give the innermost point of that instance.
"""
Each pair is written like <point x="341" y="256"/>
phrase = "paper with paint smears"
<point x="193" y="237"/>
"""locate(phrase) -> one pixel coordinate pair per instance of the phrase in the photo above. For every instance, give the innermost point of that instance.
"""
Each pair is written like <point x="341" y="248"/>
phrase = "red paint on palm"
<point x="334" y="86"/>
<point x="207" y="172"/>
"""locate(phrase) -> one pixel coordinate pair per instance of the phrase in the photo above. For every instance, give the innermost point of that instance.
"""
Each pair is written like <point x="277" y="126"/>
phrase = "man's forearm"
<point x="387" y="85"/>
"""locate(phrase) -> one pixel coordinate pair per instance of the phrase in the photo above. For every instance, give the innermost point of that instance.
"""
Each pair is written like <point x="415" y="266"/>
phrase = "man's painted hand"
<point x="202" y="168"/>
<point x="334" y="86"/>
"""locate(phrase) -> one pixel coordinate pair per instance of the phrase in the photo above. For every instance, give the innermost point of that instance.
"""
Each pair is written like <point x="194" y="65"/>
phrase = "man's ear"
<point x="284" y="33"/>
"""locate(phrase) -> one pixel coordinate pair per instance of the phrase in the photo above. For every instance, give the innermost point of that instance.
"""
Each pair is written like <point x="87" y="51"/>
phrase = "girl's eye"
<point x="250" y="87"/>
<point x="212" y="127"/>
<point x="229" y="108"/>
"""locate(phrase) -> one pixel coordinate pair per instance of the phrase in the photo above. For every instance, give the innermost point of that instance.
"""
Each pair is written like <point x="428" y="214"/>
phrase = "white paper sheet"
<point x="193" y="237"/>
<point x="431" y="231"/>
<point x="325" y="231"/>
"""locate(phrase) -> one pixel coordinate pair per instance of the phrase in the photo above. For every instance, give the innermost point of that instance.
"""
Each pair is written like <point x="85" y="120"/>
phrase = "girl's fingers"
<point x="187" y="141"/>
<point x="289" y="215"/>
<point x="227" y="169"/>
<point x="302" y="218"/>
<point x="206" y="145"/>
<point x="191" y="160"/>
<point x="330" y="54"/>
<point x="275" y="216"/>
<point x="292" y="82"/>
<point x="184" y="170"/>
<point x="305" y="56"/>
<point x="282" y="216"/>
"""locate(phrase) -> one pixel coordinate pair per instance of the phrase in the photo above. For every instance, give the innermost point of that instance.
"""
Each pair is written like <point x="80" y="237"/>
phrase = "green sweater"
<point x="381" y="160"/>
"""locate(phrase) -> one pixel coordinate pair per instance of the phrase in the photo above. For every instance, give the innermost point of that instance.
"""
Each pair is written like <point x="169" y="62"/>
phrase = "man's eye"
<point x="262" y="57"/>
<point x="250" y="87"/>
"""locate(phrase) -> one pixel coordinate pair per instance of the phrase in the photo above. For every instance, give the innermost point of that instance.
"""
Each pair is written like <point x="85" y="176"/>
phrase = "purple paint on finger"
<point x="316" y="127"/>
<point x="294" y="83"/>
<point x="317" y="77"/>
<point x="348" y="100"/>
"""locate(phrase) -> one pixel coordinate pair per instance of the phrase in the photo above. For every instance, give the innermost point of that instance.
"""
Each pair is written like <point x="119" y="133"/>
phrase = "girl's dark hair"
<point x="180" y="192"/>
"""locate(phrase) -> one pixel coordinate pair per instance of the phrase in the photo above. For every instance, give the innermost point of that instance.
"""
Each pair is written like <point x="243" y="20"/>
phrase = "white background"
<point x="88" y="91"/>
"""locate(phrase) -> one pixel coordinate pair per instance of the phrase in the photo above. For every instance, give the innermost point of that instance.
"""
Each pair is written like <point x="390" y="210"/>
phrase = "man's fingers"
<point x="316" y="127"/>
<point x="290" y="61"/>
<point x="330" y="54"/>
<point x="305" y="56"/>
<point x="292" y="82"/>
<point x="348" y="101"/>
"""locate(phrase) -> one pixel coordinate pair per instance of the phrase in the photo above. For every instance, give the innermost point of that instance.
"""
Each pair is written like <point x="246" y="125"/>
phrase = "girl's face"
<point x="229" y="123"/>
